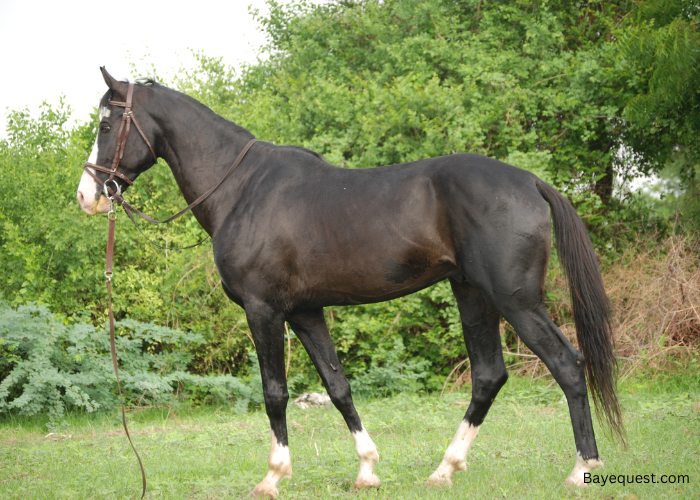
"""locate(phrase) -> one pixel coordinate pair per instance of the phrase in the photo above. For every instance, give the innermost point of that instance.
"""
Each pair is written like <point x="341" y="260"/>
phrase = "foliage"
<point x="661" y="43"/>
<point x="45" y="247"/>
<point x="48" y="366"/>
<point x="389" y="374"/>
<point x="541" y="85"/>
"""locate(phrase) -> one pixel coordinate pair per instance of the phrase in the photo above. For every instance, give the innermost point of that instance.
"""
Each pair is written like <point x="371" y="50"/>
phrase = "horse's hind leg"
<point x="481" y="334"/>
<point x="534" y="326"/>
<point x="310" y="327"/>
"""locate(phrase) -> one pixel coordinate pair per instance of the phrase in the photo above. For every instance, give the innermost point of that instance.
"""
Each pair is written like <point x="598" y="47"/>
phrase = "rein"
<point x="116" y="194"/>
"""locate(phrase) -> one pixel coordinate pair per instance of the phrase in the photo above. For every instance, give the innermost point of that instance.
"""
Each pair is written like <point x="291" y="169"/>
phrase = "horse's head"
<point x="137" y="153"/>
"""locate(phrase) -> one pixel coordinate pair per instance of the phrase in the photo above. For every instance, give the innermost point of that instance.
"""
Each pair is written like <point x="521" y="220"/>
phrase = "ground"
<point x="524" y="450"/>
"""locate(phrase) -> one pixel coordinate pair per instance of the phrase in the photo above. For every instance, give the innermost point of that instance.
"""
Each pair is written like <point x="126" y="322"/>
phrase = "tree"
<point x="369" y="83"/>
<point x="661" y="44"/>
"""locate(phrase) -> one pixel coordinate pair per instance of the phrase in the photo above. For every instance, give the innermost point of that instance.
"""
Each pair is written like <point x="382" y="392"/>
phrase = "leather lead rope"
<point x="113" y="194"/>
<point x="112" y="344"/>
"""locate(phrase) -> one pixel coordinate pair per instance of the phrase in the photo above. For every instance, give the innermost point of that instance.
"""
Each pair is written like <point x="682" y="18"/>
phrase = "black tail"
<point x="590" y="305"/>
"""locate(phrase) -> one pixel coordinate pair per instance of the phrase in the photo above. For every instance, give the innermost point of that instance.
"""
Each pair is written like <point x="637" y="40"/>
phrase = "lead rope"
<point x="111" y="194"/>
<point x="112" y="216"/>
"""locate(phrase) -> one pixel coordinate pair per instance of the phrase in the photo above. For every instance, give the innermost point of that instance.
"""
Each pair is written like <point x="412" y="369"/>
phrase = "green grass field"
<point x="525" y="449"/>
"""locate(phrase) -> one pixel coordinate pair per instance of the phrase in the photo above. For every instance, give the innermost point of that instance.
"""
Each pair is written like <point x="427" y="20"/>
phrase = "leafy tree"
<point x="368" y="83"/>
<point x="661" y="42"/>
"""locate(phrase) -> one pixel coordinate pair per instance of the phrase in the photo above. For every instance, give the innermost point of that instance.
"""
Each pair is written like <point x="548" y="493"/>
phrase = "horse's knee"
<point x="340" y="393"/>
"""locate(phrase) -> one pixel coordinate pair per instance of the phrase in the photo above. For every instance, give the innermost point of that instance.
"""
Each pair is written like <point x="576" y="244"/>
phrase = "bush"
<point x="49" y="365"/>
<point x="389" y="374"/>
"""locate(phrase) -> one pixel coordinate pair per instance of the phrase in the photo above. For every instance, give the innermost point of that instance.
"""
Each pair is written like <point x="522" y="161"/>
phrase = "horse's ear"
<point x="117" y="86"/>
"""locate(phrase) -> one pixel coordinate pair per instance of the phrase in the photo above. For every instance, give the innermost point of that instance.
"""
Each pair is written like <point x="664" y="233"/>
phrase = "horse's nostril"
<point x="81" y="198"/>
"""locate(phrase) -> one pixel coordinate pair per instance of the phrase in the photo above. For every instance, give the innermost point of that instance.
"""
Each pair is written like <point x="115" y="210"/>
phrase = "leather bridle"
<point x="116" y="194"/>
<point x="113" y="193"/>
<point x="122" y="136"/>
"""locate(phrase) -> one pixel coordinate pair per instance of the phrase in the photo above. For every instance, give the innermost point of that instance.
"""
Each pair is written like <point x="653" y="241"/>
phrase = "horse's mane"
<point x="152" y="82"/>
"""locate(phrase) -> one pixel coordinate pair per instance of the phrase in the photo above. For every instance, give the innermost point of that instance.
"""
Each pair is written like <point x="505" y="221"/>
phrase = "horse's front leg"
<point x="267" y="327"/>
<point x="310" y="327"/>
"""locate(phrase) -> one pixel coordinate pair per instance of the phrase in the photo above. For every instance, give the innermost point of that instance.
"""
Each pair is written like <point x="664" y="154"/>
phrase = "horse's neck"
<point x="200" y="148"/>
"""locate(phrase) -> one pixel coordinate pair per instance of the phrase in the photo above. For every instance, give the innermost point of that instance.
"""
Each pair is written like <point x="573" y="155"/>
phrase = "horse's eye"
<point x="105" y="128"/>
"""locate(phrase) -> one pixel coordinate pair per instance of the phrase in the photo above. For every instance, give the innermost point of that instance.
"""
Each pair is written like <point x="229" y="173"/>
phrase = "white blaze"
<point x="103" y="113"/>
<point x="367" y="452"/>
<point x="279" y="467"/>
<point x="89" y="190"/>
<point x="93" y="154"/>
<point x="455" y="457"/>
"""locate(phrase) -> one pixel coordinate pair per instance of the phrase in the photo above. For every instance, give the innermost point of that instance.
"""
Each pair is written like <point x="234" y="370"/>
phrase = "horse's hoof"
<point x="367" y="482"/>
<point x="263" y="492"/>
<point x="575" y="481"/>
<point x="582" y="468"/>
<point x="438" y="482"/>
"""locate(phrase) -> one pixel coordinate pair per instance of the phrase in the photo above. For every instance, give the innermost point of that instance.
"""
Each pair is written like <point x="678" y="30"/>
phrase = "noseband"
<point x="112" y="190"/>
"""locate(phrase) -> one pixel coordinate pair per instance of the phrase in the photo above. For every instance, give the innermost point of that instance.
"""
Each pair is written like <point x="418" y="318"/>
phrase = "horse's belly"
<point x="375" y="276"/>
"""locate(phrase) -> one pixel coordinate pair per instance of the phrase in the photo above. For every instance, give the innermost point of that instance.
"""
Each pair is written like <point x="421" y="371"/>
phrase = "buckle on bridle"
<point x="127" y="114"/>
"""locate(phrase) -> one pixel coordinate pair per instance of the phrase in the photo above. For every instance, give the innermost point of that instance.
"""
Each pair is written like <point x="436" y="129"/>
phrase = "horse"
<point x="292" y="234"/>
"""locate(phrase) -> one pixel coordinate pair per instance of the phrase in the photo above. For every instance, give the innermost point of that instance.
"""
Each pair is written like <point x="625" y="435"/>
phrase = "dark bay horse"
<point x="293" y="234"/>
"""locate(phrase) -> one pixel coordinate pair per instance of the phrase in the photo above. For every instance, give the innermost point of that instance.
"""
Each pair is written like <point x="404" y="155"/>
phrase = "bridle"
<point x="115" y="193"/>
<point x="122" y="136"/>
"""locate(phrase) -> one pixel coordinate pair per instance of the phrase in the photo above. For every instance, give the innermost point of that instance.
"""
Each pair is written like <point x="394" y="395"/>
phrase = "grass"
<point x="524" y="450"/>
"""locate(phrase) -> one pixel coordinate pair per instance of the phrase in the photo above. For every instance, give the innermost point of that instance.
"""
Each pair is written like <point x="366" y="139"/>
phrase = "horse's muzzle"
<point x="88" y="192"/>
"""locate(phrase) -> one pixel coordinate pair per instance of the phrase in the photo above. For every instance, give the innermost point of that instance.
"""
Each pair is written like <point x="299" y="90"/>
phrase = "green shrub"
<point x="390" y="374"/>
<point x="49" y="365"/>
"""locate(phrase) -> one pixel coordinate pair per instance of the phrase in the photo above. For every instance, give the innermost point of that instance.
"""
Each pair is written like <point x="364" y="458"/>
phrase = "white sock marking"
<point x="367" y="451"/>
<point x="582" y="466"/>
<point x="279" y="467"/>
<point x="455" y="457"/>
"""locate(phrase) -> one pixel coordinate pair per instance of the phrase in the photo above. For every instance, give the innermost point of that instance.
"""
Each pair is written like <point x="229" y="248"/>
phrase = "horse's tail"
<point x="591" y="307"/>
